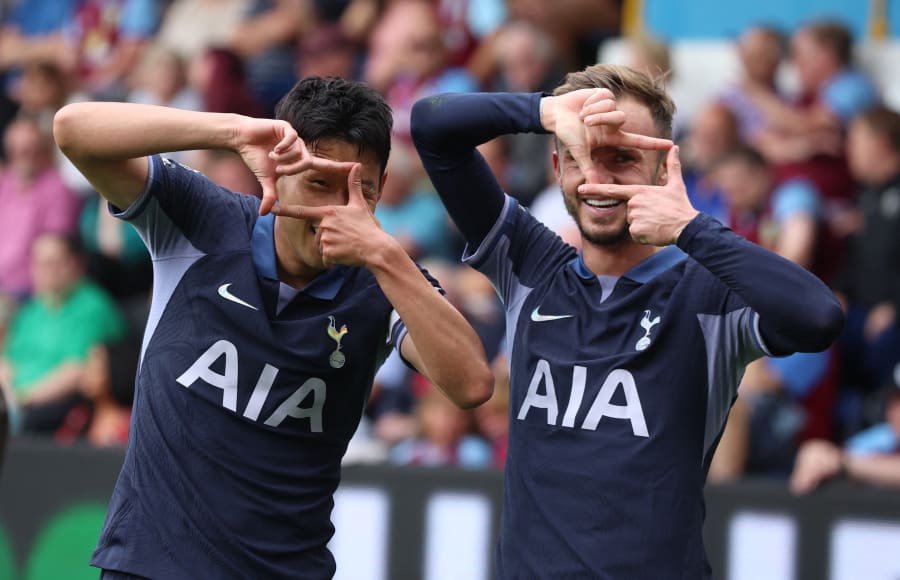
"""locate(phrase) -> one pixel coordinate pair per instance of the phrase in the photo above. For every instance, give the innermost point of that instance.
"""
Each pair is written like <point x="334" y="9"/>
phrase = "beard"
<point x="606" y="238"/>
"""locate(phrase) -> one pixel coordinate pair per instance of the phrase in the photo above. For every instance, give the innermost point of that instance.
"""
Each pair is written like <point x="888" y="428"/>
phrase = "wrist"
<point x="383" y="252"/>
<point x="683" y="225"/>
<point x="548" y="118"/>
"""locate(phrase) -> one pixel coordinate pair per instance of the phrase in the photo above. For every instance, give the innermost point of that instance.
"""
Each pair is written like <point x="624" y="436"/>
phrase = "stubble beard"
<point x="607" y="238"/>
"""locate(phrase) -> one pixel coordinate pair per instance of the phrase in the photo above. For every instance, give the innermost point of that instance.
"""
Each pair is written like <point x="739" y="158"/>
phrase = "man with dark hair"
<point x="624" y="358"/>
<point x="265" y="331"/>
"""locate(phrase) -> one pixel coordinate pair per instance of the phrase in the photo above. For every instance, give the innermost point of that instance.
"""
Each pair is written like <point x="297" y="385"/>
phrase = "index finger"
<point x="313" y="162"/>
<point x="644" y="142"/>
<point x="617" y="191"/>
<point x="304" y="212"/>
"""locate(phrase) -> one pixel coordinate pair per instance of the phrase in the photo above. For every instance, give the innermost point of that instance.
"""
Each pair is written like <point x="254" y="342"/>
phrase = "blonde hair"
<point x="626" y="82"/>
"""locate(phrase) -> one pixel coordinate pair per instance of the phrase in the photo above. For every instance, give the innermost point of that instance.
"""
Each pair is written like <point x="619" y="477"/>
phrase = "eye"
<point x="319" y="183"/>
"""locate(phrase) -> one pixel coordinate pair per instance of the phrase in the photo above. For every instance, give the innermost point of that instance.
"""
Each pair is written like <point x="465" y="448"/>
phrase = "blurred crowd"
<point x="811" y="171"/>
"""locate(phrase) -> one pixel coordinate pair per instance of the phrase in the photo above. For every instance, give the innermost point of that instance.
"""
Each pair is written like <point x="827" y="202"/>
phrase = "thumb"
<point x="269" y="197"/>
<point x="582" y="157"/>
<point x="673" y="166"/>
<point x="354" y="184"/>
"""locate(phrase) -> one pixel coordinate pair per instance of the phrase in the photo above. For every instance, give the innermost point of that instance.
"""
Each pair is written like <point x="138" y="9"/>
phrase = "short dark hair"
<point x="335" y="108"/>
<point x="885" y="122"/>
<point x="835" y="37"/>
<point x="743" y="154"/>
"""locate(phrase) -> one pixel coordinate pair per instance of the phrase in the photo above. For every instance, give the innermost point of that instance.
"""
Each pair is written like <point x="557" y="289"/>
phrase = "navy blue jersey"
<point x="244" y="402"/>
<point x="614" y="409"/>
<point x="619" y="386"/>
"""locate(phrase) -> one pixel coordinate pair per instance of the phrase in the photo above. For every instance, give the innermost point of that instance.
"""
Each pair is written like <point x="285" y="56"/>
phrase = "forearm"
<point x="875" y="469"/>
<point x="119" y="131"/>
<point x="59" y="383"/>
<point x="441" y="344"/>
<point x="797" y="312"/>
<point x="446" y="130"/>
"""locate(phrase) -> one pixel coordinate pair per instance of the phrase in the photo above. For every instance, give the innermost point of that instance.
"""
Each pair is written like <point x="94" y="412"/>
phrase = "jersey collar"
<point x="325" y="286"/>
<point x="642" y="273"/>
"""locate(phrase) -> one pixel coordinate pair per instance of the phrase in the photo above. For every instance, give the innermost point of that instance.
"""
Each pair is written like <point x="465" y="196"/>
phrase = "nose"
<point x="597" y="172"/>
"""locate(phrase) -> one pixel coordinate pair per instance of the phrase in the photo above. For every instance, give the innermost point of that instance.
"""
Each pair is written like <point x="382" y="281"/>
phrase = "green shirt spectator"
<point x="45" y="335"/>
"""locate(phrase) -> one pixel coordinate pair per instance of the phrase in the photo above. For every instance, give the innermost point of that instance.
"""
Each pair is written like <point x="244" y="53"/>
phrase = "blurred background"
<point x="789" y="122"/>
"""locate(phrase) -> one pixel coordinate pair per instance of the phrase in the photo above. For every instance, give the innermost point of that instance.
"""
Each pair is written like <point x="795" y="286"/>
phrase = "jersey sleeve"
<point x="446" y="130"/>
<point x="797" y="312"/>
<point x="181" y="213"/>
<point x="518" y="252"/>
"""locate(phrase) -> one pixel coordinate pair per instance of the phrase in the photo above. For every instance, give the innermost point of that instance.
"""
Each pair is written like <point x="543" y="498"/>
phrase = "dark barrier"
<point x="437" y="524"/>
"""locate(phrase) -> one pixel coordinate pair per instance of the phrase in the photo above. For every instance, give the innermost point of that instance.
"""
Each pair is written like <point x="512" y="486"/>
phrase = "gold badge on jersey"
<point x="337" y="358"/>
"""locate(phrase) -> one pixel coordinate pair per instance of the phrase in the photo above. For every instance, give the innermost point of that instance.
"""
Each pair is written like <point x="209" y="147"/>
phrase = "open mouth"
<point x="603" y="203"/>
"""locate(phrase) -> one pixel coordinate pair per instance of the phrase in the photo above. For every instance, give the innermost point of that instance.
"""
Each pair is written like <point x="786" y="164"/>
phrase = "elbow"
<point x="823" y="327"/>
<point x="817" y="330"/>
<point x="64" y="128"/>
<point x="829" y="325"/>
<point x="479" y="387"/>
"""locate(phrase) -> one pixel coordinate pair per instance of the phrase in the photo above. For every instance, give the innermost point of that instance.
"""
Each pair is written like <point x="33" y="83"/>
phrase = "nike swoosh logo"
<point x="224" y="293"/>
<point x="538" y="317"/>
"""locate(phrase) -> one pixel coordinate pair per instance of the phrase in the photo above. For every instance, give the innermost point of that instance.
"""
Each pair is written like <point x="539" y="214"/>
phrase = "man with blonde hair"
<point x="624" y="358"/>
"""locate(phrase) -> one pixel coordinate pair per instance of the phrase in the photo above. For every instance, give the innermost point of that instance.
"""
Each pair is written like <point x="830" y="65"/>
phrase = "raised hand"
<point x="272" y="148"/>
<point x="656" y="213"/>
<point x="586" y="119"/>
<point x="346" y="234"/>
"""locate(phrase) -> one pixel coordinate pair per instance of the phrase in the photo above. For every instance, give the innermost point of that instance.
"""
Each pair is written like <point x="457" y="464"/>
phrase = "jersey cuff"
<point x="757" y="334"/>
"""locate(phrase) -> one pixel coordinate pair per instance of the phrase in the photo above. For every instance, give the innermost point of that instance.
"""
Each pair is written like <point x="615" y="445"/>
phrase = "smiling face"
<point x="297" y="253"/>
<point x="603" y="220"/>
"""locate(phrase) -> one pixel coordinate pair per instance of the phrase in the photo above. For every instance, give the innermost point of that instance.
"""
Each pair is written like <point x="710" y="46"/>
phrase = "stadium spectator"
<point x="871" y="456"/>
<point x="327" y="52"/>
<point x="98" y="41"/>
<point x="221" y="19"/>
<point x="492" y="418"/>
<point x="33" y="201"/>
<point x="107" y="387"/>
<point x="219" y="75"/>
<point x="34" y="32"/>
<point x="712" y="133"/>
<point x="806" y="137"/>
<point x="407" y="59"/>
<point x="526" y="62"/>
<point x="40" y="91"/>
<point x="626" y="347"/>
<point x="160" y="78"/>
<point x="409" y="209"/>
<point x="782" y="401"/>
<point x="297" y="299"/>
<point x="443" y="436"/>
<point x="760" y="50"/>
<point x="577" y="26"/>
<point x="51" y="334"/>
<point x="869" y="282"/>
<point x="116" y="259"/>
<point x="650" y="56"/>
<point x="266" y="40"/>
